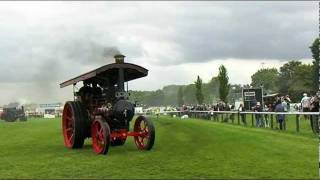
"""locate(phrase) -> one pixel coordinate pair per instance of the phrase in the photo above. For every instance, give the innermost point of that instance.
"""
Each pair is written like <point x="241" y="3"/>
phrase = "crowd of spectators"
<point x="221" y="106"/>
<point x="280" y="104"/>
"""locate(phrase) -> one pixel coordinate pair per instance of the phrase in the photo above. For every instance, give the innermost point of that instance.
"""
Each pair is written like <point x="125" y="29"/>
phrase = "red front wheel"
<point x="145" y="128"/>
<point x="72" y="126"/>
<point x="100" y="133"/>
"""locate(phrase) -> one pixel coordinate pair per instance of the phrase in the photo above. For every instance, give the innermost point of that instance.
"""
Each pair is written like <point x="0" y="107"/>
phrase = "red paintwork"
<point x="142" y="128"/>
<point x="68" y="126"/>
<point x="98" y="139"/>
<point x="123" y="134"/>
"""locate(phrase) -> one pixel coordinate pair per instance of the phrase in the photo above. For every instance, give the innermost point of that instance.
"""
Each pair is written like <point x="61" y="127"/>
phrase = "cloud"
<point x="45" y="43"/>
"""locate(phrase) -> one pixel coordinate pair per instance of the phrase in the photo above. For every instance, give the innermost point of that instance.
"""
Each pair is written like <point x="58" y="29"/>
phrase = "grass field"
<point x="183" y="149"/>
<point x="304" y="124"/>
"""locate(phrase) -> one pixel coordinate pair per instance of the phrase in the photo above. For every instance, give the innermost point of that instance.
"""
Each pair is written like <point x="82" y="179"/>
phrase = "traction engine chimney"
<point x="119" y="58"/>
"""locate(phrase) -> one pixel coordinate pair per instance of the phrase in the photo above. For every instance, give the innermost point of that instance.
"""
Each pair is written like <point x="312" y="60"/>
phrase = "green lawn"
<point x="304" y="124"/>
<point x="183" y="149"/>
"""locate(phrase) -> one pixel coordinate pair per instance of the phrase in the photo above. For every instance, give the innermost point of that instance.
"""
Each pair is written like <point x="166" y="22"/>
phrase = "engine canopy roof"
<point x="108" y="74"/>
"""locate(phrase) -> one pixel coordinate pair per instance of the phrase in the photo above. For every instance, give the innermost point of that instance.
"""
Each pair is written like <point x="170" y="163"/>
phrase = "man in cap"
<point x="280" y="117"/>
<point x="305" y="104"/>
<point x="259" y="121"/>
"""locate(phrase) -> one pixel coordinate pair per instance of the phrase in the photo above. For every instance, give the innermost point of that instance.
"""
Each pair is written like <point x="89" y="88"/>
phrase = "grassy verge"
<point x="184" y="149"/>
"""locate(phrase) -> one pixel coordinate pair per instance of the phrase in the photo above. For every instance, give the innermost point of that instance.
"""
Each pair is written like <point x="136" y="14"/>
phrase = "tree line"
<point x="196" y="93"/>
<point x="293" y="78"/>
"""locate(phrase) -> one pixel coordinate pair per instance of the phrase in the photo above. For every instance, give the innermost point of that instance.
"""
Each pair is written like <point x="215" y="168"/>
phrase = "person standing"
<point x="258" y="108"/>
<point x="266" y="116"/>
<point x="280" y="117"/>
<point x="305" y="104"/>
<point x="243" y="118"/>
<point x="284" y="104"/>
<point x="288" y="101"/>
<point x="314" y="107"/>
<point x="286" y="107"/>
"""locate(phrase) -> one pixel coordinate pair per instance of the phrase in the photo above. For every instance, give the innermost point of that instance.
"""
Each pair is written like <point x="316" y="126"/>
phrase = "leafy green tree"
<point x="265" y="77"/>
<point x="171" y="94"/>
<point x="316" y="56"/>
<point x="189" y="94"/>
<point x="180" y="97"/>
<point x="286" y="74"/>
<point x="211" y="90"/>
<point x="138" y="96"/>
<point x="199" y="95"/>
<point x="154" y="98"/>
<point x="295" y="78"/>
<point x="224" y="86"/>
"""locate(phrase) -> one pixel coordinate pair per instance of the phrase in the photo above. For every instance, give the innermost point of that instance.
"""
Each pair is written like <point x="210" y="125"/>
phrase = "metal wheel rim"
<point x="98" y="137"/>
<point x="68" y="126"/>
<point x="143" y="139"/>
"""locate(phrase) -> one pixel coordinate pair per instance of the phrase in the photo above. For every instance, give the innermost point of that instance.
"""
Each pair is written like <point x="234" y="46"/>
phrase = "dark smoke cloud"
<point x="12" y="105"/>
<point x="52" y="70"/>
<point x="87" y="52"/>
<point x="47" y="65"/>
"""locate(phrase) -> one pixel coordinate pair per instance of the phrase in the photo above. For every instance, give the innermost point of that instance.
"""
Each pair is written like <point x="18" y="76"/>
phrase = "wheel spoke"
<point x="70" y="138"/>
<point x="100" y="143"/>
<point x="141" y="139"/>
<point x="69" y="118"/>
<point x="101" y="136"/>
<point x="100" y="131"/>
<point x="144" y="124"/>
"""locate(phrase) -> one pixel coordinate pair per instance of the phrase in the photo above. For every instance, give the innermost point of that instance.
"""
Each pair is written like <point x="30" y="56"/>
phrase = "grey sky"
<point x="45" y="43"/>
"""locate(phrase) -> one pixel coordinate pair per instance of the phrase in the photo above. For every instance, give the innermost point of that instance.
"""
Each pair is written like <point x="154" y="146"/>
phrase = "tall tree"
<point x="189" y="94"/>
<point x="180" y="97"/>
<point x="265" y="77"/>
<point x="224" y="83"/>
<point x="295" y="78"/>
<point x="199" y="95"/>
<point x="316" y="56"/>
<point x="286" y="74"/>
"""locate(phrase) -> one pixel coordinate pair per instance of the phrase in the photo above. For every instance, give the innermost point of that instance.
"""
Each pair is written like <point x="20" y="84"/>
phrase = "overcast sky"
<point x="45" y="43"/>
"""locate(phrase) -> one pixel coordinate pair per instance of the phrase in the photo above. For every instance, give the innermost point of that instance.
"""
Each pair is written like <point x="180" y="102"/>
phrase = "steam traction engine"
<point x="12" y="114"/>
<point x="101" y="109"/>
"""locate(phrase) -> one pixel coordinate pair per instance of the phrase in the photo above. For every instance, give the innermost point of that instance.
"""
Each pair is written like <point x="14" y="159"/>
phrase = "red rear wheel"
<point x="72" y="125"/>
<point x="100" y="133"/>
<point x="145" y="128"/>
<point x="68" y="125"/>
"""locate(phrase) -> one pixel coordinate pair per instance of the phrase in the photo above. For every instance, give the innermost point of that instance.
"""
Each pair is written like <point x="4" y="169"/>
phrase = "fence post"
<point x="245" y="119"/>
<point x="222" y="117"/>
<point x="284" y="123"/>
<point x="252" y="120"/>
<point x="239" y="118"/>
<point x="297" y="123"/>
<point x="271" y="121"/>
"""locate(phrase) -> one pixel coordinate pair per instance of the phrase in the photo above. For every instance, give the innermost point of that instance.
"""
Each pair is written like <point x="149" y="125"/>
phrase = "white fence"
<point x="217" y="115"/>
<point x="244" y="112"/>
